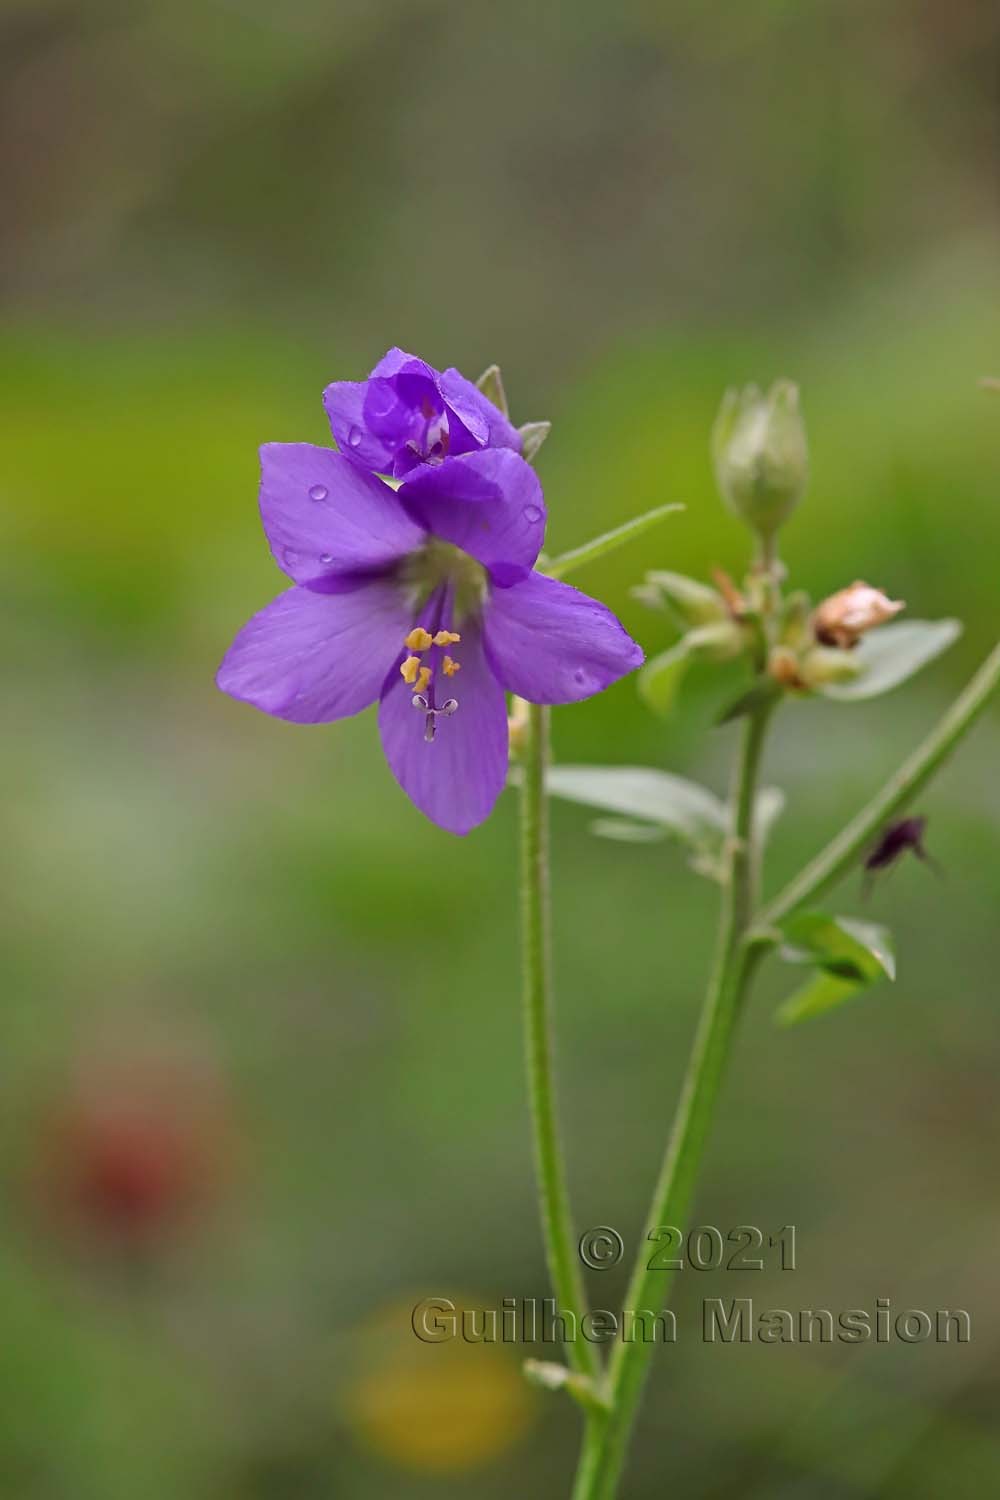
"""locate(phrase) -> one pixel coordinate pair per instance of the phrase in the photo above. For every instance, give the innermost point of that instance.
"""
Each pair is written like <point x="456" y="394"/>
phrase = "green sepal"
<point x="533" y="435"/>
<point x="490" y="383"/>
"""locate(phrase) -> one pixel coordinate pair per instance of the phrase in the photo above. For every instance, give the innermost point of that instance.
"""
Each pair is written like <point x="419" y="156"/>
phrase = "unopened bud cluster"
<point x="760" y="455"/>
<point x="810" y="648"/>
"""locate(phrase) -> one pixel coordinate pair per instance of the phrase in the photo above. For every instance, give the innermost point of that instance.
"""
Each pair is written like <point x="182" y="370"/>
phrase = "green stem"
<point x="844" y="851"/>
<point x="606" y="1441"/>
<point x="557" y="1224"/>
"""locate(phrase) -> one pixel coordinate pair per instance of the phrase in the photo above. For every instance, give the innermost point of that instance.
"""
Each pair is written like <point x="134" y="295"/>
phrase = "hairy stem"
<point x="557" y="1224"/>
<point x="606" y="1441"/>
<point x="846" y="849"/>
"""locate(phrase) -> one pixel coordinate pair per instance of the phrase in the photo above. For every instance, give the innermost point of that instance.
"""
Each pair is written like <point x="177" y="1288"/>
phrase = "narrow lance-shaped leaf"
<point x="892" y="653"/>
<point x="684" y="807"/>
<point x="559" y="567"/>
<point x="648" y="804"/>
<point x="625" y="831"/>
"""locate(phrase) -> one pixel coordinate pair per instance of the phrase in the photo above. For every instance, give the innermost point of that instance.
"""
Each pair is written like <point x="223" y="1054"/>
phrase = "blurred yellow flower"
<point x="435" y="1408"/>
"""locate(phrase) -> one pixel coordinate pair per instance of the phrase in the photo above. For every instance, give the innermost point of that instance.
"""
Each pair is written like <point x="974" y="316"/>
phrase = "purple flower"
<point x="407" y="413"/>
<point x="426" y="600"/>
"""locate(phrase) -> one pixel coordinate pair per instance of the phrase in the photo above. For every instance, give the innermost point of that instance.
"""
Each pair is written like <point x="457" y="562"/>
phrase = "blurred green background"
<point x="261" y="1055"/>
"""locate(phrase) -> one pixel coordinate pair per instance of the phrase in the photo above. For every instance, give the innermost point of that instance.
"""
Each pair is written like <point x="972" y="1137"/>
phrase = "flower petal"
<point x="311" y="657"/>
<point x="549" y="643"/>
<point x="396" y="361"/>
<point x="484" y="422"/>
<point x="344" y="403"/>
<point x="406" y="413"/>
<point x="489" y="503"/>
<point x="456" y="778"/>
<point x="324" y="517"/>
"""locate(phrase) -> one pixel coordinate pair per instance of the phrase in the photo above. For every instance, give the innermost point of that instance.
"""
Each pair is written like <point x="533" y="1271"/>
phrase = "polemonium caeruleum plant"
<point x="418" y="581"/>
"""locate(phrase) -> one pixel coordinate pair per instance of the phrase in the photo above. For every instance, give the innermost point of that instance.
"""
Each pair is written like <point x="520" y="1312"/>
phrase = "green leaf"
<point x="591" y="551"/>
<point x="649" y="804"/>
<point x="823" y="993"/>
<point x="842" y="945"/>
<point x="661" y="677"/>
<point x="850" y="956"/>
<point x="685" y="808"/>
<point x="892" y="653"/>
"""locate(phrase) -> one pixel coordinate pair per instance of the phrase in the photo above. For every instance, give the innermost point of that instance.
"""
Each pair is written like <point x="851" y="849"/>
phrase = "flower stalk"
<point x="605" y="1443"/>
<point x="845" y="850"/>
<point x="557" y="1223"/>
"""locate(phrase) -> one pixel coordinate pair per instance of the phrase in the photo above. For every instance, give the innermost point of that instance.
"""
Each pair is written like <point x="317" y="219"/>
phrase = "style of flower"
<point x="407" y="413"/>
<point x="424" y="598"/>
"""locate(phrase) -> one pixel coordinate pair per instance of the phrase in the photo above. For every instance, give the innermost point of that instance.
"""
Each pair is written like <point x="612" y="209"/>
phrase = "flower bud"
<point x="796" y="621"/>
<point x="692" y="602"/>
<point x="843" y="619"/>
<point x="760" y="455"/>
<point x="825" y="664"/>
<point x="783" y="666"/>
<point x="718" y="642"/>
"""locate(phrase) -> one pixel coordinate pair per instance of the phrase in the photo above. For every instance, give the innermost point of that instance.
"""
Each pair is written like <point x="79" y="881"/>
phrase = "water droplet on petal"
<point x="532" y="513"/>
<point x="318" y="492"/>
<point x="288" y="557"/>
<point x="582" y="678"/>
<point x="326" y="557"/>
<point x="381" y="398"/>
<point x="354" y="437"/>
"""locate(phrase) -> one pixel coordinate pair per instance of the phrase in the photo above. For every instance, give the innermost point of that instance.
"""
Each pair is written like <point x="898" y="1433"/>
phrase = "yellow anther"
<point x="423" y="678"/>
<point x="446" y="638"/>
<point x="451" y="667"/>
<point x="418" y="639"/>
<point x="408" y="671"/>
